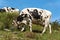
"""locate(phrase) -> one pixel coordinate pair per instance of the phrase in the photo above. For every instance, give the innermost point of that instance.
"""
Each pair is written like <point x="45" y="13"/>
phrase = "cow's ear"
<point x="28" y="10"/>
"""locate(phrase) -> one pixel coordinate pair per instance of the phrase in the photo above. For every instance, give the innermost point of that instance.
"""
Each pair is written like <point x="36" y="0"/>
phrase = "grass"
<point x="6" y="20"/>
<point x="18" y="35"/>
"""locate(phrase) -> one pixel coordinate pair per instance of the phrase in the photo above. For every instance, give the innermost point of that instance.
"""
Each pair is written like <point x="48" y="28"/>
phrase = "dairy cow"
<point x="41" y="15"/>
<point x="2" y="10"/>
<point x="10" y="9"/>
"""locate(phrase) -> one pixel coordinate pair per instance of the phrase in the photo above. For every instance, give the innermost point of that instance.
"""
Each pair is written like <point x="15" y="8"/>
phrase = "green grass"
<point x="6" y="20"/>
<point x="17" y="35"/>
<point x="27" y="35"/>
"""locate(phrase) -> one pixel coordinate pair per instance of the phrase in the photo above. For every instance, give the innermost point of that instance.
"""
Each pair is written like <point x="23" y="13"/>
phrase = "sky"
<point x="51" y="5"/>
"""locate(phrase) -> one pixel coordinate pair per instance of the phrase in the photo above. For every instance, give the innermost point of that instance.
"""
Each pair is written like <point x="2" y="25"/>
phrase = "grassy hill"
<point x="14" y="34"/>
<point x="17" y="35"/>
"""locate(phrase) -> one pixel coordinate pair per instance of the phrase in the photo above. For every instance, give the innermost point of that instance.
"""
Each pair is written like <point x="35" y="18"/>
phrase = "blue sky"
<point x="52" y="5"/>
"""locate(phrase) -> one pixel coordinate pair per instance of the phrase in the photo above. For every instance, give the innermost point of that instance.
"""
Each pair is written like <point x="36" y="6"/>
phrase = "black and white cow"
<point x="2" y="10"/>
<point x="36" y="14"/>
<point x="10" y="9"/>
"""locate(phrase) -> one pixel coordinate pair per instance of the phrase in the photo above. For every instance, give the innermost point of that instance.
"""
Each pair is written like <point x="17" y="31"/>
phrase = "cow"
<point x="2" y="10"/>
<point x="6" y="9"/>
<point x="37" y="14"/>
<point x="10" y="9"/>
<point x="14" y="10"/>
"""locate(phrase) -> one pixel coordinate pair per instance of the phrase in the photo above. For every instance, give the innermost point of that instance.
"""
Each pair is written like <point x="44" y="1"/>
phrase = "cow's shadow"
<point x="36" y="31"/>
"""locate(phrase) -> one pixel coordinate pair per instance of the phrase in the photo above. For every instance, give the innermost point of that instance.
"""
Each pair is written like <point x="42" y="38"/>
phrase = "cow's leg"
<point x="46" y="25"/>
<point x="50" y="28"/>
<point x="22" y="29"/>
<point x="44" y="28"/>
<point x="30" y="25"/>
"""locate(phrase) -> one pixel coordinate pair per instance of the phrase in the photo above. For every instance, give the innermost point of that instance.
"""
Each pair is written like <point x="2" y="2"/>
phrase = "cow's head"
<point x="21" y="20"/>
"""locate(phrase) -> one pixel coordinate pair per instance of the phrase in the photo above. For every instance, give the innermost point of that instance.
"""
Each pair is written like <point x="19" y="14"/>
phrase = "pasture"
<point x="14" y="34"/>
